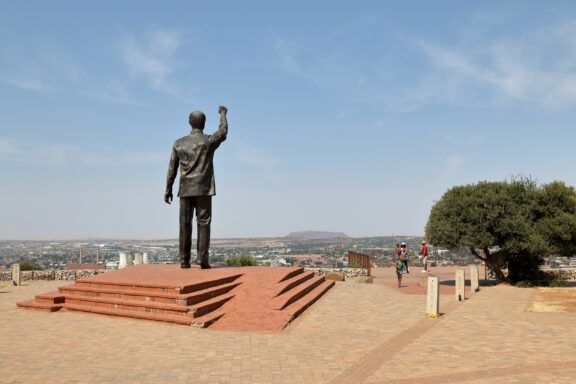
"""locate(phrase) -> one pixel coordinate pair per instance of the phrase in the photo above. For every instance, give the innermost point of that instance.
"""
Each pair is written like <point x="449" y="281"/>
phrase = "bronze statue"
<point x="194" y="154"/>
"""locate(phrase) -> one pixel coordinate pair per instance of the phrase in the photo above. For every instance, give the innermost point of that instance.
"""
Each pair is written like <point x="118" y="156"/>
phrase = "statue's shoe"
<point x="184" y="265"/>
<point x="205" y="266"/>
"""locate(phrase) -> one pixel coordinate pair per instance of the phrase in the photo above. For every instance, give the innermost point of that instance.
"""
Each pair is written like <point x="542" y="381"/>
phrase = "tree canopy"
<point x="511" y="224"/>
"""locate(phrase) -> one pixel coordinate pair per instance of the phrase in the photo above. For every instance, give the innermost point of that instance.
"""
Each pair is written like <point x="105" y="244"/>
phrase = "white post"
<point x="138" y="258"/>
<point x="123" y="260"/>
<point x="16" y="275"/>
<point x="474" y="281"/>
<point x="145" y="258"/>
<point x="460" y="295"/>
<point x="432" y="298"/>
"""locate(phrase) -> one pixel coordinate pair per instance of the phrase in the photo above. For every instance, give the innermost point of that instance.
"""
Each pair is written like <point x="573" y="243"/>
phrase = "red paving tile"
<point x="414" y="283"/>
<point x="160" y="276"/>
<point x="256" y="306"/>
<point x="358" y="333"/>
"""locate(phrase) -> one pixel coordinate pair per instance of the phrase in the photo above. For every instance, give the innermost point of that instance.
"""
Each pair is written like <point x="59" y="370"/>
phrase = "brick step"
<point x="50" y="298"/>
<point x="248" y="299"/>
<point x="209" y="293"/>
<point x="159" y="297"/>
<point x="128" y="305"/>
<point x="299" y="306"/>
<point x="294" y="281"/>
<point x="131" y="314"/>
<point x="36" y="306"/>
<point x="296" y="293"/>
<point x="292" y="274"/>
<point x="201" y="309"/>
<point x="144" y="287"/>
<point x="209" y="284"/>
<point x="128" y="287"/>
<point x="208" y="319"/>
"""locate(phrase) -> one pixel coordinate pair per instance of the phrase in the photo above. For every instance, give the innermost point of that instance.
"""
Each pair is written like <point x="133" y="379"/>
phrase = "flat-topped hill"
<point x="318" y="235"/>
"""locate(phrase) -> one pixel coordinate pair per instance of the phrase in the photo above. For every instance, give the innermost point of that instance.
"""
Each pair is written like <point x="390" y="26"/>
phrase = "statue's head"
<point x="197" y="119"/>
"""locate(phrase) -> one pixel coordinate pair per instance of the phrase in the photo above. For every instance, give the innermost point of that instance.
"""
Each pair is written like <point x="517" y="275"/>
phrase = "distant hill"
<point x="318" y="235"/>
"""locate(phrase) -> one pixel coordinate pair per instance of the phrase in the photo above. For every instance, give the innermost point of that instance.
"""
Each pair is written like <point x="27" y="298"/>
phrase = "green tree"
<point x="28" y="266"/>
<point x="513" y="224"/>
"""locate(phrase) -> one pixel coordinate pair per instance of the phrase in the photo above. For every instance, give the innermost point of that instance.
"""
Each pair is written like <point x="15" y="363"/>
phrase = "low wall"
<point x="562" y="274"/>
<point x="348" y="273"/>
<point x="51" y="274"/>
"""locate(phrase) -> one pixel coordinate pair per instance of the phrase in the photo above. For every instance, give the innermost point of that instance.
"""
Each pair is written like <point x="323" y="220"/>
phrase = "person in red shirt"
<point x="424" y="256"/>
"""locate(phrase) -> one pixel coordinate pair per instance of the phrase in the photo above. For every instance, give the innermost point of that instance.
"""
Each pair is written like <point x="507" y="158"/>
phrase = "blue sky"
<point x="350" y="117"/>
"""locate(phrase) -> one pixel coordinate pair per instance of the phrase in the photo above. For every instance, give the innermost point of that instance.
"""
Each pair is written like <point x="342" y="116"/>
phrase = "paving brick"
<point x="488" y="338"/>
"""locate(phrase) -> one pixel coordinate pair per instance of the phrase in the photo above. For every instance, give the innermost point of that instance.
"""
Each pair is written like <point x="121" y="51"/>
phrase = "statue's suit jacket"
<point x="193" y="154"/>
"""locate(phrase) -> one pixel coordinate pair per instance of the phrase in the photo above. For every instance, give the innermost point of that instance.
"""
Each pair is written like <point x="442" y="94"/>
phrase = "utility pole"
<point x="80" y="254"/>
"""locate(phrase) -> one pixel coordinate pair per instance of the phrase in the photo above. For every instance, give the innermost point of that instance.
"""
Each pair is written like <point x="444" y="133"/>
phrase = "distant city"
<point x="315" y="249"/>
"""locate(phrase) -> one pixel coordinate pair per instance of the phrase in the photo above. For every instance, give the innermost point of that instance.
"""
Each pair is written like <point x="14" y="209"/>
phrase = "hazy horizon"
<point x="349" y="117"/>
<point x="176" y="238"/>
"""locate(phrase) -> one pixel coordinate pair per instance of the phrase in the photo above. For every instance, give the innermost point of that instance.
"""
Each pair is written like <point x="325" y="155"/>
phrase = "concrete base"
<point x="474" y="280"/>
<point x="16" y="276"/>
<point x="433" y="297"/>
<point x="460" y="285"/>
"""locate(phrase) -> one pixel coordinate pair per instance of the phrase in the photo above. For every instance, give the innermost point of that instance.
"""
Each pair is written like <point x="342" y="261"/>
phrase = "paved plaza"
<point x="356" y="333"/>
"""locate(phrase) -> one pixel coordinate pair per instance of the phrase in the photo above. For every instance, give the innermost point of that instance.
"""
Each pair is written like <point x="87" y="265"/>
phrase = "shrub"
<point x="557" y="284"/>
<point x="543" y="279"/>
<point x="242" y="261"/>
<point x="355" y="264"/>
<point x="28" y="266"/>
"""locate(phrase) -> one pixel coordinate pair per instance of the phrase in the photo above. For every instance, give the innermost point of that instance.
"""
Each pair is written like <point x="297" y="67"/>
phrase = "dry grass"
<point x="554" y="300"/>
<point x="5" y="284"/>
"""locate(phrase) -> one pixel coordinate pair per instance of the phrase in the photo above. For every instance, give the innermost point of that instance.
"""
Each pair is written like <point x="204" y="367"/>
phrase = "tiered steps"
<point x="249" y="298"/>
<point x="296" y="308"/>
<point x="258" y="309"/>
<point x="297" y="291"/>
<point x="161" y="293"/>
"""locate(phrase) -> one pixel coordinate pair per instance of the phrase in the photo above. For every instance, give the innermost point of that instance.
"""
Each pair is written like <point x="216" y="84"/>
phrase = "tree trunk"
<point x="492" y="261"/>
<point x="494" y="264"/>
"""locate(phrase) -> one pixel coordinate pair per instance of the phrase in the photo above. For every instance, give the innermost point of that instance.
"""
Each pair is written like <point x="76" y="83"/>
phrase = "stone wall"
<point x="349" y="273"/>
<point x="563" y="274"/>
<point x="51" y="275"/>
<point x="352" y="273"/>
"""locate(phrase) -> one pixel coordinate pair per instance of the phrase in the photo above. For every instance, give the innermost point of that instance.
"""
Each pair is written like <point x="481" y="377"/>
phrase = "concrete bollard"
<point x="474" y="281"/>
<point x="145" y="258"/>
<point x="433" y="298"/>
<point x="125" y="260"/>
<point x="16" y="274"/>
<point x="460" y="283"/>
<point x="138" y="258"/>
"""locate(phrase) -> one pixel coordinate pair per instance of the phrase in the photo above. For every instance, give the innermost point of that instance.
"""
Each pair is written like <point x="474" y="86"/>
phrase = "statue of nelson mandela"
<point x="193" y="154"/>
